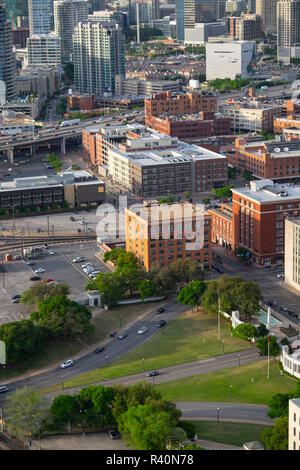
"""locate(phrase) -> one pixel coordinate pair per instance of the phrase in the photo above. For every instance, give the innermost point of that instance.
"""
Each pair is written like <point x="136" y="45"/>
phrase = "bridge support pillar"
<point x="10" y="155"/>
<point x="63" y="145"/>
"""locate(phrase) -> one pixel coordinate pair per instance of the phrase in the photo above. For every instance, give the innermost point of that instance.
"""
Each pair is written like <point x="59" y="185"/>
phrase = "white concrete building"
<point x="227" y="59"/>
<point x="202" y="31"/>
<point x="290" y="362"/>
<point x="292" y="253"/>
<point x="294" y="424"/>
<point x="67" y="14"/>
<point x="44" y="49"/>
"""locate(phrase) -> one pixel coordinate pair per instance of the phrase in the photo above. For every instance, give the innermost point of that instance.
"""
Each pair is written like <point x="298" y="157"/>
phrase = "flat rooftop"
<point x="266" y="191"/>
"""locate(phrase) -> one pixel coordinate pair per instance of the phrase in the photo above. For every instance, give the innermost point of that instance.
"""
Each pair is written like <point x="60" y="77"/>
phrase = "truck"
<point x="71" y="122"/>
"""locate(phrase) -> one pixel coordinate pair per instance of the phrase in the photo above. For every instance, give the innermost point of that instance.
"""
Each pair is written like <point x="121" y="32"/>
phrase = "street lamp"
<point x="239" y="356"/>
<point x="230" y="391"/>
<point x="223" y="346"/>
<point x="62" y="382"/>
<point x="107" y="363"/>
<point x="218" y="415"/>
<point x="143" y="364"/>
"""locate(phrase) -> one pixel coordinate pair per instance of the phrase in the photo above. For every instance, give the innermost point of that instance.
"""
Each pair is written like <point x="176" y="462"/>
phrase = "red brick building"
<point x="83" y="102"/>
<point x="258" y="218"/>
<point x="185" y="115"/>
<point x="222" y="226"/>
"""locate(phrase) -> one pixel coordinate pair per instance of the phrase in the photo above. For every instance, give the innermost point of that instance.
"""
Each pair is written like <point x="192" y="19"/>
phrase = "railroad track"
<point x="17" y="244"/>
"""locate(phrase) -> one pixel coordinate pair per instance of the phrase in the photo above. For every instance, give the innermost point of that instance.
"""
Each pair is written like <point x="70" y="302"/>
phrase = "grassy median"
<point x="190" y="337"/>
<point x="249" y="385"/>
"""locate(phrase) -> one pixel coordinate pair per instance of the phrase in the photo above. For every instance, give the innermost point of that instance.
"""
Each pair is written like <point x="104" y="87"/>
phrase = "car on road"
<point x="283" y="308"/>
<point x="51" y="252"/>
<point x="30" y="262"/>
<point x="35" y="278"/>
<point x="99" y="349"/>
<point x="78" y="259"/>
<point x="17" y="296"/>
<point x="15" y="301"/>
<point x="82" y="222"/>
<point x="113" y="433"/>
<point x="152" y="373"/>
<point x="39" y="270"/>
<point x="72" y="218"/>
<point x="3" y="389"/>
<point x="160" y="310"/>
<point x="292" y="313"/>
<point x="142" y="330"/>
<point x="122" y="336"/>
<point x="160" y="323"/>
<point x="66" y="364"/>
<point x="280" y="275"/>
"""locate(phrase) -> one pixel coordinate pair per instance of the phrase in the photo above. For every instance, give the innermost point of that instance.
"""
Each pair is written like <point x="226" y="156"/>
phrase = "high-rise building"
<point x="39" y="16"/>
<point x="98" y="56"/>
<point x="67" y="14"/>
<point x="267" y="10"/>
<point x="7" y="65"/>
<point x="15" y="8"/>
<point x="190" y="12"/>
<point x="288" y="30"/>
<point x="97" y="5"/>
<point x="43" y="49"/>
<point x="246" y="28"/>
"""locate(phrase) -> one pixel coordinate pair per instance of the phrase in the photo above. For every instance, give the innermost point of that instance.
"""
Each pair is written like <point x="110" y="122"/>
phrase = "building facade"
<point x="222" y="231"/>
<point x="294" y="423"/>
<point x="228" y="59"/>
<point x="44" y="49"/>
<point x="164" y="234"/>
<point x="267" y="10"/>
<point x="259" y="213"/>
<point x="292" y="253"/>
<point x="98" y="56"/>
<point x="202" y="31"/>
<point x="67" y="14"/>
<point x="288" y="30"/>
<point x="39" y="16"/>
<point x="253" y="117"/>
<point x="7" y="62"/>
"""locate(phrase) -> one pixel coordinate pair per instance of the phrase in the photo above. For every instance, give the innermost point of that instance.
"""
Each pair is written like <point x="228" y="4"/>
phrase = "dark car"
<point x="292" y="314"/>
<point x="152" y="373"/>
<point x="16" y="301"/>
<point x="160" y="310"/>
<point x="78" y="230"/>
<point x="122" y="336"/>
<point x="35" y="278"/>
<point x="17" y="296"/>
<point x="72" y="218"/>
<point x="99" y="349"/>
<point x="160" y="323"/>
<point x="113" y="433"/>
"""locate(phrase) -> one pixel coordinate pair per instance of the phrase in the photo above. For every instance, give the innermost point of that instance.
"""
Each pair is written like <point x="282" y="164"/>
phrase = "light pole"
<point x="223" y="346"/>
<point x="239" y="356"/>
<point x="107" y="363"/>
<point x="230" y="391"/>
<point x="62" y="382"/>
<point x="143" y="364"/>
<point x="218" y="415"/>
<point x="120" y="320"/>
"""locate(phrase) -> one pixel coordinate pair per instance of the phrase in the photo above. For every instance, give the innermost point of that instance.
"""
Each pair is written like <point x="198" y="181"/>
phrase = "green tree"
<point x="126" y="397"/>
<point x="279" y="405"/>
<point x="192" y="293"/>
<point x="41" y="290"/>
<point x="147" y="289"/>
<point x="144" y="428"/>
<point x="223" y="193"/>
<point x="25" y="411"/>
<point x="262" y="344"/>
<point x="22" y="339"/>
<point x="63" y="411"/>
<point x="62" y="317"/>
<point x="276" y="437"/>
<point x="245" y="331"/>
<point x="111" y="287"/>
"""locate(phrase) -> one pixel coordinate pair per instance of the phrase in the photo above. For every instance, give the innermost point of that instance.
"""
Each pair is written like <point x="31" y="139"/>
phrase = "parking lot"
<point x="16" y="277"/>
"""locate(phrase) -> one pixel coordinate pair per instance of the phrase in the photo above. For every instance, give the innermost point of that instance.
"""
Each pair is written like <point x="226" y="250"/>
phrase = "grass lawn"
<point x="104" y="322"/>
<point x="190" y="337"/>
<point x="235" y="434"/>
<point x="215" y="386"/>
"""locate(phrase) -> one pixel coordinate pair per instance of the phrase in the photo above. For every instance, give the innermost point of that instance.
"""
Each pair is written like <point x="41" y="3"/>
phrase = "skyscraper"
<point x="39" y="16"/>
<point x="15" y="8"/>
<point x="98" y="56"/>
<point x="267" y="10"/>
<point x="288" y="30"/>
<point x="67" y="14"/>
<point x="190" y="12"/>
<point x="7" y="65"/>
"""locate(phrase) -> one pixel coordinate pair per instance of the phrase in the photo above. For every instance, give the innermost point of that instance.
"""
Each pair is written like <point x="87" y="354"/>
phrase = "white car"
<point x="39" y="270"/>
<point x="30" y="262"/>
<point x="66" y="364"/>
<point x="85" y="265"/>
<point x="51" y="252"/>
<point x="142" y="330"/>
<point x="280" y="275"/>
<point x="78" y="259"/>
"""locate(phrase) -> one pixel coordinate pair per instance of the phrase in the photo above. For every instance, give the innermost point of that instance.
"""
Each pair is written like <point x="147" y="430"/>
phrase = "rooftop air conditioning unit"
<point x="286" y="149"/>
<point x="277" y="150"/>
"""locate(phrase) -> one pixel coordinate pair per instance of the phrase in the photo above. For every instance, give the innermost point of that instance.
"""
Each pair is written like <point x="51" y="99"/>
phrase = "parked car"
<point x="160" y="323"/>
<point x="30" y="262"/>
<point x="85" y="265"/>
<point x="78" y="230"/>
<point x="16" y="301"/>
<point x="113" y="434"/>
<point x="99" y="349"/>
<point x="78" y="259"/>
<point x="152" y="373"/>
<point x="283" y="308"/>
<point x="3" y="389"/>
<point x="280" y="275"/>
<point x="142" y="330"/>
<point x="122" y="336"/>
<point x="66" y="364"/>
<point x="51" y="252"/>
<point x="72" y="218"/>
<point x="17" y="296"/>
<point x="160" y="310"/>
<point x="35" y="278"/>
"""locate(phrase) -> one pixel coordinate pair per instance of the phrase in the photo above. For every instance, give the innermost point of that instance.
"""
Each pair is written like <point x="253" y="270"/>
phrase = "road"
<point x="227" y="412"/>
<point x="113" y="350"/>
